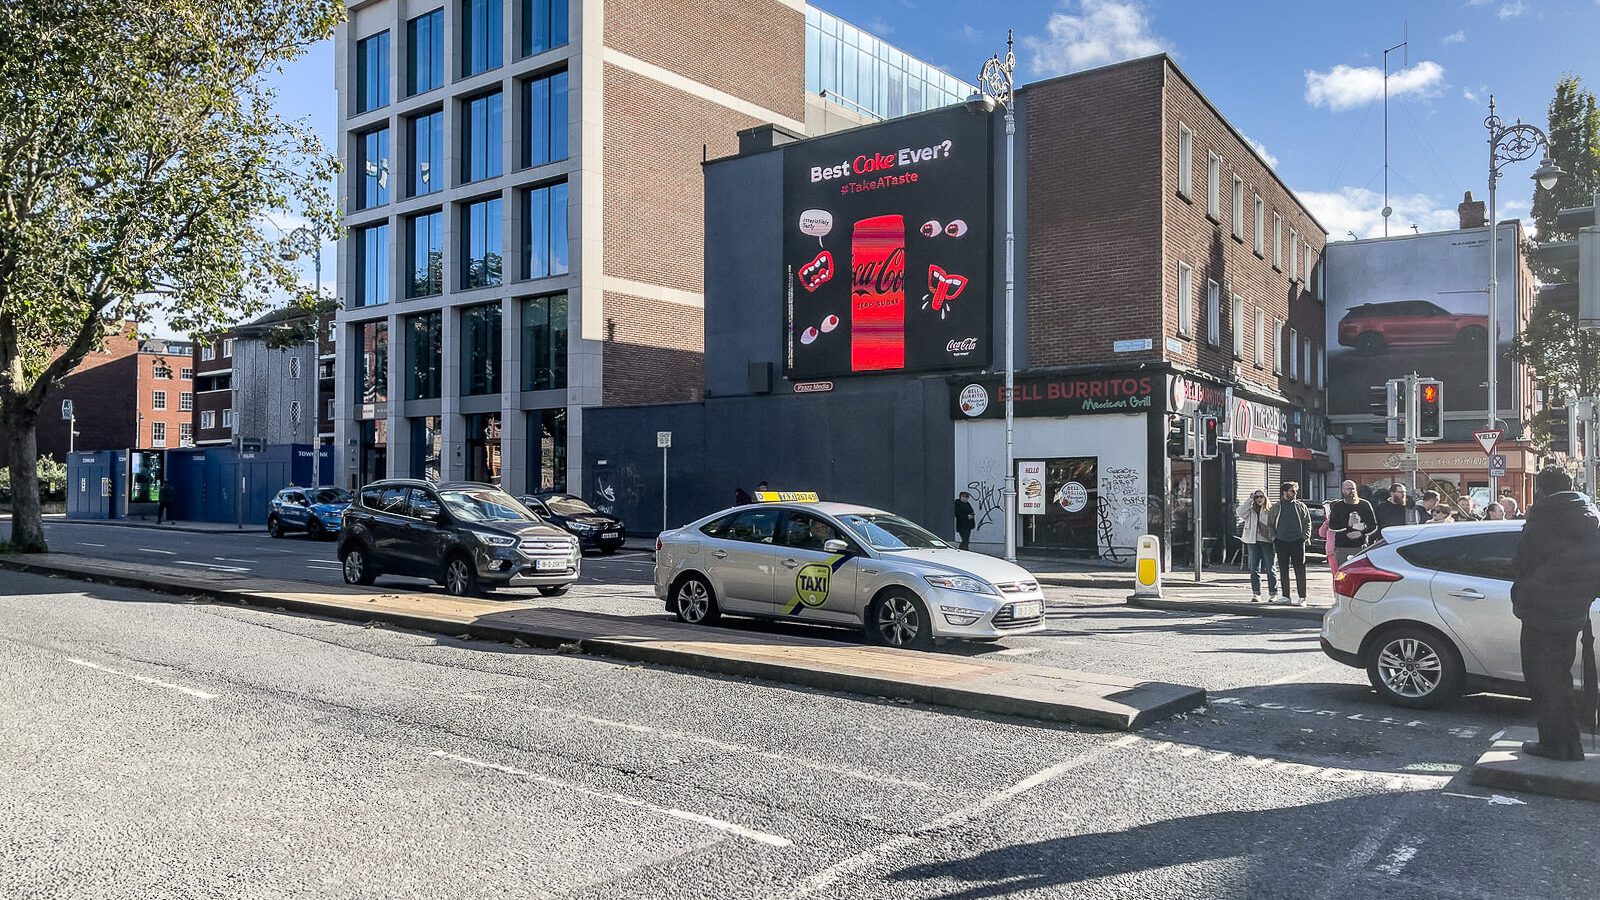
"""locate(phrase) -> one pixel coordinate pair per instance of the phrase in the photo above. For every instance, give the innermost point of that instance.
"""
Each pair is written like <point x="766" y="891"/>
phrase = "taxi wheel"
<point x="900" y="619"/>
<point x="274" y="527"/>
<point x="315" y="531"/>
<point x="697" y="604"/>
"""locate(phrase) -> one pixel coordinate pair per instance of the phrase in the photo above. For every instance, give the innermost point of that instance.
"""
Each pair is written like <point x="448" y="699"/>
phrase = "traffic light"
<point x="1178" y="443"/>
<point x="1208" y="437"/>
<point x="1385" y="401"/>
<point x="1430" y="410"/>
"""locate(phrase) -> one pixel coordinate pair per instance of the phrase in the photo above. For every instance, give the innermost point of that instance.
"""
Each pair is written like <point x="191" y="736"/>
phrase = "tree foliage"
<point x="140" y="159"/>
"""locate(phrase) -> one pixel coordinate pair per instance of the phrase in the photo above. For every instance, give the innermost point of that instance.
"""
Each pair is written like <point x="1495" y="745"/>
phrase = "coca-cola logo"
<point x="961" y="346"/>
<point x="885" y="276"/>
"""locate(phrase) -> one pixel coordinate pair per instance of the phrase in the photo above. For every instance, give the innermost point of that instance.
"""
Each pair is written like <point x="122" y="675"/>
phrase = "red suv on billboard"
<point x="1411" y="323"/>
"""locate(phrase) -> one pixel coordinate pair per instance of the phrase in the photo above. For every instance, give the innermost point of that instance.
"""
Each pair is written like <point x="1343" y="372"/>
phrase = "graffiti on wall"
<point x="986" y="502"/>
<point x="1121" y="512"/>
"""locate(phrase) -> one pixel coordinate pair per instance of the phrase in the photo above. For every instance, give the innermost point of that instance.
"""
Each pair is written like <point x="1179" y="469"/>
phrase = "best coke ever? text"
<point x="868" y="163"/>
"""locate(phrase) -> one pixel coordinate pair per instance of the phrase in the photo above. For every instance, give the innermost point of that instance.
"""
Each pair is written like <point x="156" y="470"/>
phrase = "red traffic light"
<point x="1430" y="393"/>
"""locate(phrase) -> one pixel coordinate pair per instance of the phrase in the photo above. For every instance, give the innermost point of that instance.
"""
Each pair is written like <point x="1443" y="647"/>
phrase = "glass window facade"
<point x="480" y="35"/>
<point x="425" y="255"/>
<point x="425" y="146"/>
<point x="547" y="450"/>
<point x="481" y="247"/>
<point x="544" y="231"/>
<point x="480" y="349"/>
<point x="372" y="72"/>
<point x="373" y="187"/>
<point x="372" y="371"/>
<point x="424" y="355"/>
<point x="544" y="343"/>
<point x="481" y="146"/>
<point x="483" y="448"/>
<point x="425" y="52"/>
<point x="871" y="75"/>
<point x="427" y="448"/>
<point x="372" y="265"/>
<point x="544" y="138"/>
<point x="544" y="25"/>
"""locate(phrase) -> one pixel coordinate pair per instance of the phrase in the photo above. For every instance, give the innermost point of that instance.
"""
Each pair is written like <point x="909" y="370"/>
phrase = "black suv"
<point x="469" y="537"/>
<point x="590" y="526"/>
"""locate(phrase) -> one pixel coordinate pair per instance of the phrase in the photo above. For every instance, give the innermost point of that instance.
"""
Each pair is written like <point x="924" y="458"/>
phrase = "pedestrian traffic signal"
<point x="1179" y="446"/>
<point x="1208" y="435"/>
<point x="1430" y="410"/>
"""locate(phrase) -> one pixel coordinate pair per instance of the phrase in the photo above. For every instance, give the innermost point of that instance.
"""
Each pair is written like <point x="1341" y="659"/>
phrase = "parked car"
<point x="1427" y="612"/>
<point x="1371" y="327"/>
<point x="469" y="537"/>
<point x="317" y="511"/>
<point x="592" y="528"/>
<point x="838" y="564"/>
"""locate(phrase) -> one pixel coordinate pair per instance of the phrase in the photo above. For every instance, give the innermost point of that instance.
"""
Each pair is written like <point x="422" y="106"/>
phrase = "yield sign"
<point x="1488" y="439"/>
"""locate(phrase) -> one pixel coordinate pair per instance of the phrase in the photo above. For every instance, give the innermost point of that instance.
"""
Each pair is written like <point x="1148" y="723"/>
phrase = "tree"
<point x="1574" y="135"/>
<point x="140" y="158"/>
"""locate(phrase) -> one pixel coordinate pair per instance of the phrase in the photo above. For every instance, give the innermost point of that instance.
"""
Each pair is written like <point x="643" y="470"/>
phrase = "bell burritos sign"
<point x="1056" y="395"/>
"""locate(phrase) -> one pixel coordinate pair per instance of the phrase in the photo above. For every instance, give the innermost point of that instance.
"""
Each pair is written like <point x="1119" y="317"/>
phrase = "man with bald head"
<point x="1353" y="522"/>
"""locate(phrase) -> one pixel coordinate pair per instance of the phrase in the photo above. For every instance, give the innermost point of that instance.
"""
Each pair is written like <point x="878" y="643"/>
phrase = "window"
<point x="424" y="355"/>
<point x="1214" y="186"/>
<point x="547" y="448"/>
<point x="425" y="52"/>
<point x="1185" y="160"/>
<point x="1479" y="555"/>
<point x="481" y="146"/>
<point x="424" y="505"/>
<point x="294" y="413"/>
<point x="544" y="128"/>
<point x="1261" y="227"/>
<point x="1277" y="347"/>
<point x="1307" y="261"/>
<point x="372" y="187"/>
<point x="158" y="434"/>
<point x="163" y="372"/>
<point x="1238" y="327"/>
<point x="480" y="349"/>
<point x="804" y="531"/>
<point x="1261" y="337"/>
<point x="1294" y="254"/>
<point x="185" y="401"/>
<point x="425" y="254"/>
<point x="544" y="343"/>
<point x="1277" y="241"/>
<point x="227" y="418"/>
<point x="372" y="72"/>
<point x="207" y="353"/>
<point x="755" y="526"/>
<point x="186" y="373"/>
<point x="208" y="419"/>
<point x="1213" y="313"/>
<point x="1294" y="355"/>
<point x="372" y="366"/>
<point x="480" y="35"/>
<point x="544" y="231"/>
<point x="1322" y="366"/>
<point x="1238" y="207"/>
<point x="227" y="347"/>
<point x="1306" y="365"/>
<point x="393" y="501"/>
<point x="372" y="265"/>
<point x="544" y="25"/>
<point x="481" y="243"/>
<point x="158" y="400"/>
<point x="185" y="434"/>
<point x="425" y="146"/>
<point x="1185" y="299"/>
<point x="294" y="367"/>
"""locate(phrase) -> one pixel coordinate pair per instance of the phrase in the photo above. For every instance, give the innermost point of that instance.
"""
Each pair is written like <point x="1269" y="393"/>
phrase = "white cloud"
<point x="880" y="27"/>
<point x="1261" y="149"/>
<point x="1347" y="87"/>
<point x="1361" y="210"/>
<point x="1475" y="96"/>
<point x="1089" y="33"/>
<point x="1459" y="37"/>
<point x="1512" y="10"/>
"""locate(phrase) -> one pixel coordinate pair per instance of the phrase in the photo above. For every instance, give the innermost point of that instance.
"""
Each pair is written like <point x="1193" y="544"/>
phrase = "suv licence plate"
<point x="1032" y="609"/>
<point x="559" y="565"/>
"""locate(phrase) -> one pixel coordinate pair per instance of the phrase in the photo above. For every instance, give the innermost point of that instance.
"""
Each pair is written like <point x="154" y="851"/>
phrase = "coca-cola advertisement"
<point x="888" y="249"/>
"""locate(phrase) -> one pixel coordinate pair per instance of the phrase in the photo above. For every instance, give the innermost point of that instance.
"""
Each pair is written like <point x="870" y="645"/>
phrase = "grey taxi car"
<point x="467" y="536"/>
<point x="839" y="564"/>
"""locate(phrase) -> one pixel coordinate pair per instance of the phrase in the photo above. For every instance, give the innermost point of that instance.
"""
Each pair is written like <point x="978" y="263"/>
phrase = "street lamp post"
<point x="300" y="236"/>
<point x="1507" y="144"/>
<point x="995" y="88"/>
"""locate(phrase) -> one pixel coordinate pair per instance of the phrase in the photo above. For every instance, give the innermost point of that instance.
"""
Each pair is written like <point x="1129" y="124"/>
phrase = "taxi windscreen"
<point x="888" y="532"/>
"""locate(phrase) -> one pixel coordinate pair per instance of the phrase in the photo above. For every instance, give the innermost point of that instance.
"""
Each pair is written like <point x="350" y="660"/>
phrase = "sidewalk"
<point x="192" y="527"/>
<point x="978" y="684"/>
<point x="1221" y="588"/>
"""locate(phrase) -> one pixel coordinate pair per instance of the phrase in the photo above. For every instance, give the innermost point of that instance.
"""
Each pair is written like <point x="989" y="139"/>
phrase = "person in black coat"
<point x="966" y="518"/>
<point x="1556" y="572"/>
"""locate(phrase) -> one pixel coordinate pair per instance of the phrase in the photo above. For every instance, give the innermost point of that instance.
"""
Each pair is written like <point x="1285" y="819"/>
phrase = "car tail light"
<point x="1357" y="572"/>
<point x="658" y="543"/>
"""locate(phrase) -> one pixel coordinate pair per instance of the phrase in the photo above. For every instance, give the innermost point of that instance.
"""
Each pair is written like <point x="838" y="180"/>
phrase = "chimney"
<point x="1472" y="212"/>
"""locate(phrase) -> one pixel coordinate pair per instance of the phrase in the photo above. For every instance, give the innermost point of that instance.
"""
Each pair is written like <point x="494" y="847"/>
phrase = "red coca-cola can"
<point x="878" y="294"/>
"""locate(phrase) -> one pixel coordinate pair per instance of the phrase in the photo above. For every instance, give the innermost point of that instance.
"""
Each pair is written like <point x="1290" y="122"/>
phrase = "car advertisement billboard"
<point x="1419" y="303"/>
<point x="887" y="248"/>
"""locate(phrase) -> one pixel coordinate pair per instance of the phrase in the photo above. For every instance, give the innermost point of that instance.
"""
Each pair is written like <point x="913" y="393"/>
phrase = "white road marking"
<point x="163" y="552"/>
<point x="1017" y="651"/>
<point x="830" y="876"/>
<point x="231" y="559"/>
<point x="1397" y="860"/>
<point x="1296" y="676"/>
<point x="213" y="568"/>
<point x="1492" y="800"/>
<point x="145" y="679"/>
<point x="90" y="544"/>
<point x="1394" y="781"/>
<point x="762" y="837"/>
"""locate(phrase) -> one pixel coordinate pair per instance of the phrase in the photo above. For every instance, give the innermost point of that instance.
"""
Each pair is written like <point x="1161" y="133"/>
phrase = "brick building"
<point x="524" y="202"/>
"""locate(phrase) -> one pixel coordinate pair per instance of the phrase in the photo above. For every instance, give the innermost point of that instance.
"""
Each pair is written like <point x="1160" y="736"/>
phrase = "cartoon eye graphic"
<point x="930" y="228"/>
<point x="956" y="228"/>
<point x="808" y="336"/>
<point x="829" y="324"/>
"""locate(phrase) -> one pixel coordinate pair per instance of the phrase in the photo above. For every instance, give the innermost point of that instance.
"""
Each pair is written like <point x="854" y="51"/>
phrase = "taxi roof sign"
<point x="787" y="497"/>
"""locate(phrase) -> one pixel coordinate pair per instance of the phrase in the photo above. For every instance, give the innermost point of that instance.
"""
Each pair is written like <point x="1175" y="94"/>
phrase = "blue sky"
<point x="1299" y="78"/>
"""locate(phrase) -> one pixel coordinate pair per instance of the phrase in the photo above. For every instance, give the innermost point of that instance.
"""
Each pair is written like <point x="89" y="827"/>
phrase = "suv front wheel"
<point x="1415" y="668"/>
<point x="460" y="577"/>
<point x="356" y="566"/>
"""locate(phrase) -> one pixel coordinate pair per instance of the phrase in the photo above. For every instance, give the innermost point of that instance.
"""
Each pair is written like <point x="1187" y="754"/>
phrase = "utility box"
<point x="96" y="484"/>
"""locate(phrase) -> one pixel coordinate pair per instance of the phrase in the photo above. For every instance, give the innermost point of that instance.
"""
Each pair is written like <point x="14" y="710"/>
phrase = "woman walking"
<point x="1257" y="539"/>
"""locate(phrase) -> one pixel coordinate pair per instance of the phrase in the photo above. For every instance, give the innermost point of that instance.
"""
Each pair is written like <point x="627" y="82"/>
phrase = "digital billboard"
<point x="887" y="248"/>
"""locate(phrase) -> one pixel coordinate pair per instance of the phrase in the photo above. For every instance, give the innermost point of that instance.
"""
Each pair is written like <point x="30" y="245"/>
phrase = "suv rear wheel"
<point x="274" y="527"/>
<point x="1415" y="668"/>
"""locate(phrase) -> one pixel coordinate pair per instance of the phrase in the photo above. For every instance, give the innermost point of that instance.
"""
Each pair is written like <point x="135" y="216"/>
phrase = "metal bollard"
<point x="1147" y="568"/>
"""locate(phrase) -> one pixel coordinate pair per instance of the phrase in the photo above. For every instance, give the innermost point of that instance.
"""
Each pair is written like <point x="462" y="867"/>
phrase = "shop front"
<point x="1453" y="469"/>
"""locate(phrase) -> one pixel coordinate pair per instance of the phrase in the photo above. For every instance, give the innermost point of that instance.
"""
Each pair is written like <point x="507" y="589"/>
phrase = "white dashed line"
<point x="162" y="552"/>
<point x="231" y="559"/>
<point x="146" y="680"/>
<point x="90" y="544"/>
<point x="762" y="837"/>
<point x="212" y="568"/>
<point x="1017" y="651"/>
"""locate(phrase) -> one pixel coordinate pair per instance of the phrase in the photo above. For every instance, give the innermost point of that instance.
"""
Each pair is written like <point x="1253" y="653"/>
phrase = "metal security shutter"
<point x="1251" y="476"/>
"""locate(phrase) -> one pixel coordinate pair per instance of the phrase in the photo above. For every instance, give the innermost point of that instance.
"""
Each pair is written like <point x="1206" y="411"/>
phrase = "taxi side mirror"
<point x="835" y="546"/>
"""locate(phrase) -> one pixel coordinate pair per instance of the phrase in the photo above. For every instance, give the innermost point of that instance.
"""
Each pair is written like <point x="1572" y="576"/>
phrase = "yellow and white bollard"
<point x="1147" y="568"/>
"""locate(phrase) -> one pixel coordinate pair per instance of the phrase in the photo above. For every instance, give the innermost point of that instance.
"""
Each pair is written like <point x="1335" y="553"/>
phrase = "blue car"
<point x="316" y="511"/>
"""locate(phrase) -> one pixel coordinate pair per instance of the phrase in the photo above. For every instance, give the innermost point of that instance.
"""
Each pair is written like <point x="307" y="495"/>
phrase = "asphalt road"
<point x="167" y="749"/>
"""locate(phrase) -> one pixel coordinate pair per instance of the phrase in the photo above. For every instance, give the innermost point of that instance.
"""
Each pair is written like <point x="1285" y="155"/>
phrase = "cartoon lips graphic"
<point x="808" y="336"/>
<point x="931" y="228"/>
<point x="942" y="288"/>
<point x="818" y="272"/>
<point x="829" y="323"/>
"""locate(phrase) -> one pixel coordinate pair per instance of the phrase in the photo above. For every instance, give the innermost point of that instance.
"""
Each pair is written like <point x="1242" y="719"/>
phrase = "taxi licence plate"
<point x="1032" y="609"/>
<point x="556" y="564"/>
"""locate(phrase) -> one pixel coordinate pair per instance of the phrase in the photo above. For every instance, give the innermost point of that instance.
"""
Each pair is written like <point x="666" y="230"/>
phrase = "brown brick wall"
<point x="654" y="204"/>
<point x="755" y="51"/>
<point x="174" y="387"/>
<point x="654" y="352"/>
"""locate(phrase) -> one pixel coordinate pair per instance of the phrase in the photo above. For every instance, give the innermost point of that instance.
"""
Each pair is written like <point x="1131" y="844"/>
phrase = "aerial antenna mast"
<point x="1405" y="61"/>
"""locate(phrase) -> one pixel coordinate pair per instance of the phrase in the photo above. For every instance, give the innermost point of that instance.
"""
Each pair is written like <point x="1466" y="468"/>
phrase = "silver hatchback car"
<point x="838" y="564"/>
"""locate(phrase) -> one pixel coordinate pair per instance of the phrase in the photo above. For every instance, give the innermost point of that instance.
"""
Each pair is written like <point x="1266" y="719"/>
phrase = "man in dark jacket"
<point x="966" y="518"/>
<point x="1557" y="577"/>
<point x="1353" y="522"/>
<point x="1397" y="509"/>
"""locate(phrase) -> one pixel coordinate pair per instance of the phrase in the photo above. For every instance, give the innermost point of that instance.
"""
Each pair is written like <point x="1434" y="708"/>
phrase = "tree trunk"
<point x="27" y="523"/>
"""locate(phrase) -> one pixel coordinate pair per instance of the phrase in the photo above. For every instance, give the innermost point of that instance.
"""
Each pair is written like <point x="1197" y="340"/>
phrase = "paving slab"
<point x="1505" y="766"/>
<point x="976" y="684"/>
